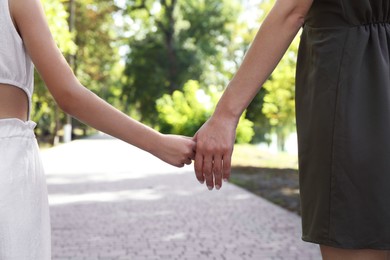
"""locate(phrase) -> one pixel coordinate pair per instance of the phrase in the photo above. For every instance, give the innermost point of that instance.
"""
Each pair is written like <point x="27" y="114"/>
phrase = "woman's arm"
<point x="81" y="103"/>
<point x="215" y="139"/>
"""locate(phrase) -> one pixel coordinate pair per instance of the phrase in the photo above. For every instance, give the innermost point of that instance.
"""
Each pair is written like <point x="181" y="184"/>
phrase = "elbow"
<point x="296" y="20"/>
<point x="68" y="98"/>
<point x="294" y="13"/>
<point x="66" y="101"/>
<point x="74" y="101"/>
<point x="299" y="12"/>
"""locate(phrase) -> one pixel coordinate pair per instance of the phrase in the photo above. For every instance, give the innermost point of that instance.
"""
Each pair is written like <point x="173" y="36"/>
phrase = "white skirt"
<point x="24" y="208"/>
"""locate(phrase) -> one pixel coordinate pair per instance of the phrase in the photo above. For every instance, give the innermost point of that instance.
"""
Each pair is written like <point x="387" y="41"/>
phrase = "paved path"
<point x="112" y="201"/>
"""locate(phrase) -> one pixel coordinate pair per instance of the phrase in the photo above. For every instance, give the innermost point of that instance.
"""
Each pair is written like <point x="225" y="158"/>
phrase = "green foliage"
<point x="273" y="109"/>
<point x="97" y="58"/>
<point x="173" y="42"/>
<point x="184" y="112"/>
<point x="279" y="102"/>
<point x="169" y="44"/>
<point x="245" y="130"/>
<point x="93" y="45"/>
<point x="96" y="38"/>
<point x="57" y="17"/>
<point x="254" y="111"/>
<point x="45" y="111"/>
<point x="261" y="123"/>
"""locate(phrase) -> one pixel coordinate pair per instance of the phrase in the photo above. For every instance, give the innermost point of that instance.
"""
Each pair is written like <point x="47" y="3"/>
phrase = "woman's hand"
<point x="175" y="150"/>
<point x="214" y="148"/>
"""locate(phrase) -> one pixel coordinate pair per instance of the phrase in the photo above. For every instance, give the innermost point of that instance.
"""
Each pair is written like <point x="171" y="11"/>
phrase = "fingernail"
<point x="225" y="180"/>
<point x="210" y="187"/>
<point x="201" y="182"/>
<point x="218" y="187"/>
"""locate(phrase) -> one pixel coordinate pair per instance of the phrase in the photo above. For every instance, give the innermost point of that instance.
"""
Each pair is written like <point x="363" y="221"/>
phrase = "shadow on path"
<point x="112" y="201"/>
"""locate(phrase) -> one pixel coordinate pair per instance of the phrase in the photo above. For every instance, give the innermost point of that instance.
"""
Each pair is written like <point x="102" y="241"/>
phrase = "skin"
<point x="75" y="99"/>
<point x="13" y="102"/>
<point x="215" y="139"/>
<point x="330" y="253"/>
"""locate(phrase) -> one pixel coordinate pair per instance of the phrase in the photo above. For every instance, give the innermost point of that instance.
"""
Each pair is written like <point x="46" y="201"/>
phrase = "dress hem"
<point x="344" y="246"/>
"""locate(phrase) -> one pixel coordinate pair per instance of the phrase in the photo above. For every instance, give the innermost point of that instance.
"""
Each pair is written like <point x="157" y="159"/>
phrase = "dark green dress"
<point x="343" y="121"/>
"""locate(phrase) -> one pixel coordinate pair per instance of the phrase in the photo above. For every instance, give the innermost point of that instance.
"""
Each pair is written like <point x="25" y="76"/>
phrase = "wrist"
<point x="232" y="103"/>
<point x="225" y="118"/>
<point x="226" y="115"/>
<point x="151" y="141"/>
<point x="154" y="142"/>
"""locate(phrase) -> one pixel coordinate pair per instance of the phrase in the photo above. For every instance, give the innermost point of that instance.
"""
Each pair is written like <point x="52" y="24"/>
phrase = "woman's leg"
<point x="332" y="253"/>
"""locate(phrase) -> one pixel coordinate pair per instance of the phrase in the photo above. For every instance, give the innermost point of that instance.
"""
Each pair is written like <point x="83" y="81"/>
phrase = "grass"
<point x="250" y="156"/>
<point x="273" y="176"/>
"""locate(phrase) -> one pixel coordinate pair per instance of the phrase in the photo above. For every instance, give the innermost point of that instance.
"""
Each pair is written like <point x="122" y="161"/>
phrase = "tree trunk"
<point x="281" y="141"/>
<point x="170" y="44"/>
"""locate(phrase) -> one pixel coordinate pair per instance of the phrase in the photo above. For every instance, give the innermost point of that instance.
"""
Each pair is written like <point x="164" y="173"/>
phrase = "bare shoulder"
<point x="30" y="20"/>
<point x="32" y="25"/>
<point x="25" y="10"/>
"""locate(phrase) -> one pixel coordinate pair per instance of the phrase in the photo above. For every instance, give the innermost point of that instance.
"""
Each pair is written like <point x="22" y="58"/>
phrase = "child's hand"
<point x="176" y="150"/>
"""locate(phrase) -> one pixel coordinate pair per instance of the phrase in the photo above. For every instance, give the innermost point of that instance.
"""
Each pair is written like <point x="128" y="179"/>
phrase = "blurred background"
<point x="166" y="63"/>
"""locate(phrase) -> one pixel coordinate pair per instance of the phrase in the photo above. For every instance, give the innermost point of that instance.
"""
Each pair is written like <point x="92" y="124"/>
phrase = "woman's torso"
<point x="343" y="121"/>
<point x="348" y="13"/>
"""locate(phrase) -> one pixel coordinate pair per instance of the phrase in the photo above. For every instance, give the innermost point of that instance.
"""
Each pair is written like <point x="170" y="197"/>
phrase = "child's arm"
<point x="81" y="103"/>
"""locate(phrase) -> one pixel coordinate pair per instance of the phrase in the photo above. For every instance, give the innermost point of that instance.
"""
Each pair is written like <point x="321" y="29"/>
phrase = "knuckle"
<point x="208" y="149"/>
<point x="199" y="145"/>
<point x="217" y="169"/>
<point x="208" y="172"/>
<point x="225" y="150"/>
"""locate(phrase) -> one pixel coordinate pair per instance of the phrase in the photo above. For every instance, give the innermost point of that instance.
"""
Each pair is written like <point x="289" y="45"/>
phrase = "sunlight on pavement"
<point x="59" y="199"/>
<point x="109" y="200"/>
<point x="177" y="236"/>
<point x="107" y="160"/>
<point x="69" y="178"/>
<point x="241" y="197"/>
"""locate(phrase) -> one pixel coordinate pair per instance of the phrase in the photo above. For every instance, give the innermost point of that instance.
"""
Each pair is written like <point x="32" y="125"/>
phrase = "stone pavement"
<point x="109" y="200"/>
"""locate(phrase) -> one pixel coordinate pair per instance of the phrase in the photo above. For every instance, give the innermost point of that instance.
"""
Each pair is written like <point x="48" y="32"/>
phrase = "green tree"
<point x="97" y="41"/>
<point x="94" y="46"/>
<point x="97" y="57"/>
<point x="184" y="112"/>
<point x="261" y="124"/>
<point x="279" y="101"/>
<point x="45" y="111"/>
<point x="175" y="41"/>
<point x="273" y="109"/>
<point x="244" y="35"/>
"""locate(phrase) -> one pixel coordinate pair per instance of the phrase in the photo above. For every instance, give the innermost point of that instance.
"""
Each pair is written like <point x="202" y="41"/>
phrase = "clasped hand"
<point x="214" y="148"/>
<point x="211" y="147"/>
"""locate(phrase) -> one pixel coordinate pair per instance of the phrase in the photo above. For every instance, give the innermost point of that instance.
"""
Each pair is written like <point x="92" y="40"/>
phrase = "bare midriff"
<point x="13" y="102"/>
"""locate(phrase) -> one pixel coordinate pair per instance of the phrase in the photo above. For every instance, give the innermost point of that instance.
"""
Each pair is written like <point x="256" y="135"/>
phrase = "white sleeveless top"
<point x="16" y="67"/>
